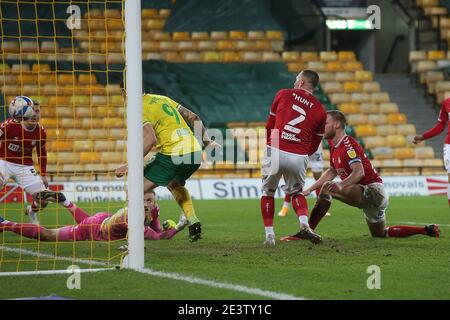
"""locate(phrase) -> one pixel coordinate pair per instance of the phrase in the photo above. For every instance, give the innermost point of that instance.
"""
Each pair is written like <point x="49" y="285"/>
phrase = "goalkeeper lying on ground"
<point x="102" y="226"/>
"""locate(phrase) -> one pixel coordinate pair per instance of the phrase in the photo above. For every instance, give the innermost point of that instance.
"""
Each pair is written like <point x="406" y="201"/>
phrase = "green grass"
<point x="231" y="251"/>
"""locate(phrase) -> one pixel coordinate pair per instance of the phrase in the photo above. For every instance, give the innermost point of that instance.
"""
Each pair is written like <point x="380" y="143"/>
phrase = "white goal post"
<point x="133" y="54"/>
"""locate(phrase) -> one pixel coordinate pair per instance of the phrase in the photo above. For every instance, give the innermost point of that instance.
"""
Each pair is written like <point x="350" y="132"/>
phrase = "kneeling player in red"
<point x="361" y="186"/>
<point x="102" y="226"/>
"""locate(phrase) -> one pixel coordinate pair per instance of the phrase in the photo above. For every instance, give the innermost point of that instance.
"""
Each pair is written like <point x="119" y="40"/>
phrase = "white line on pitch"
<point x="221" y="285"/>
<point x="168" y="275"/>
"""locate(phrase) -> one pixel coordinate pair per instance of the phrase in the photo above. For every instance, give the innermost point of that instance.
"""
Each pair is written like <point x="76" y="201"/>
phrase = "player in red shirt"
<point x="294" y="131"/>
<point x="18" y="138"/>
<point x="436" y="130"/>
<point x="360" y="185"/>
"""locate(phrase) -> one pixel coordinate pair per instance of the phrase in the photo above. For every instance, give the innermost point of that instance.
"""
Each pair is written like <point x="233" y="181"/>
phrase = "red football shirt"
<point x="345" y="153"/>
<point x="17" y="143"/>
<point x="442" y="121"/>
<point x="296" y="122"/>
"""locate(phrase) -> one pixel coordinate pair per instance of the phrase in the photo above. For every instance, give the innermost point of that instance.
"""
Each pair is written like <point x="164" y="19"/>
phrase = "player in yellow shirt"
<point x="167" y="124"/>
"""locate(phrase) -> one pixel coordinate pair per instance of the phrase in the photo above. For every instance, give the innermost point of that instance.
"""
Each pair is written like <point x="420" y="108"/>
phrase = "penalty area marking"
<point x="161" y="274"/>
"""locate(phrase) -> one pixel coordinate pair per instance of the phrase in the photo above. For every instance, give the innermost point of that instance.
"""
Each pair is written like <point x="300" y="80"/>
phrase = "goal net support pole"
<point x="135" y="140"/>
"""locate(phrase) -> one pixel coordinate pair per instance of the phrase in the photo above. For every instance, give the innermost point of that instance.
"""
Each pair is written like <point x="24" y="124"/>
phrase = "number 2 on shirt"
<point x="291" y="124"/>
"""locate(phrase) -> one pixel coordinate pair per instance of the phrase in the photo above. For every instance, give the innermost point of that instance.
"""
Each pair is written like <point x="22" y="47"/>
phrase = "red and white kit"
<point x="16" y="151"/>
<point x="294" y="131"/>
<point x="343" y="155"/>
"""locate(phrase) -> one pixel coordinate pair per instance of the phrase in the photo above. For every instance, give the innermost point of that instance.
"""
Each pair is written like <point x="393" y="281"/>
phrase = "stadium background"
<point x="225" y="60"/>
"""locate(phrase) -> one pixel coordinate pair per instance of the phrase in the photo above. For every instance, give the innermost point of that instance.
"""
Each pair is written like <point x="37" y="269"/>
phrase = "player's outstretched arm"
<point x="194" y="121"/>
<point x="328" y="175"/>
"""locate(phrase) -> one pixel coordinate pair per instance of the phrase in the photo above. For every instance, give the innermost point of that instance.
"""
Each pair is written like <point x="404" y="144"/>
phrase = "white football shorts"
<point x="276" y="164"/>
<point x="25" y="176"/>
<point x="316" y="160"/>
<point x="376" y="201"/>
<point x="447" y="157"/>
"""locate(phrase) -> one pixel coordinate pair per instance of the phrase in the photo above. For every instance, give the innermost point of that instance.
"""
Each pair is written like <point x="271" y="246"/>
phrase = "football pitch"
<point x="231" y="262"/>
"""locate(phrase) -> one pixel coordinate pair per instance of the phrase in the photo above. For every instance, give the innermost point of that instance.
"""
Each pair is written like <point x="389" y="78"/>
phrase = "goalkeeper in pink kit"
<point x="102" y="226"/>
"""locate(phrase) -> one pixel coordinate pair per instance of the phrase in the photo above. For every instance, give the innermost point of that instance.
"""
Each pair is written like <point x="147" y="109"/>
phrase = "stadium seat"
<point x="199" y="35"/>
<point x="61" y="145"/>
<point x="29" y="46"/>
<point x="380" y="97"/>
<point x="344" y="76"/>
<point x="154" y="24"/>
<point x="264" y="45"/>
<point x="395" y="141"/>
<point x="368" y="108"/>
<point x="328" y="56"/>
<point x="351" y="87"/>
<point x="45" y="78"/>
<point x="226" y="45"/>
<point x="309" y="56"/>
<point x="296" y="67"/>
<point x="159" y="35"/>
<point x="10" y="47"/>
<point x="250" y="56"/>
<point x="75" y="134"/>
<point x="327" y="76"/>
<point x="332" y="87"/>
<point x="97" y="134"/>
<point x="237" y="35"/>
<point x="424" y="152"/>
<point x="334" y="66"/>
<point x="104" y="145"/>
<point x="290" y="56"/>
<point x="271" y="57"/>
<point x="164" y="13"/>
<point x="371" y="87"/>
<point x="231" y="57"/>
<point x="116" y="133"/>
<point x="66" y="158"/>
<point x="88" y="79"/>
<point x="274" y="35"/>
<point x="377" y="119"/>
<point x="4" y="68"/>
<point x="397" y="118"/>
<point x="191" y="57"/>
<point x="406" y="129"/>
<point x="349" y="108"/>
<point x="316" y="65"/>
<point x="411" y="166"/>
<point x="256" y="35"/>
<point x="41" y="68"/>
<point x="85" y="145"/>
<point x="353" y="66"/>
<point x="404" y="153"/>
<point x="211" y="57"/>
<point x="337" y="98"/>
<point x="180" y="36"/>
<point x="389" y="108"/>
<point x="437" y="55"/>
<point x="149" y="13"/>
<point x="49" y="46"/>
<point x="415" y="56"/>
<point x="386" y="130"/>
<point x="121" y="145"/>
<point x="392" y="167"/>
<point x="89" y="157"/>
<point x="346" y="56"/>
<point x="56" y="134"/>
<point x="366" y="130"/>
<point x="356" y="119"/>
<point x="218" y="35"/>
<point x="382" y="153"/>
<point x="361" y="97"/>
<point x="374" y="142"/>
